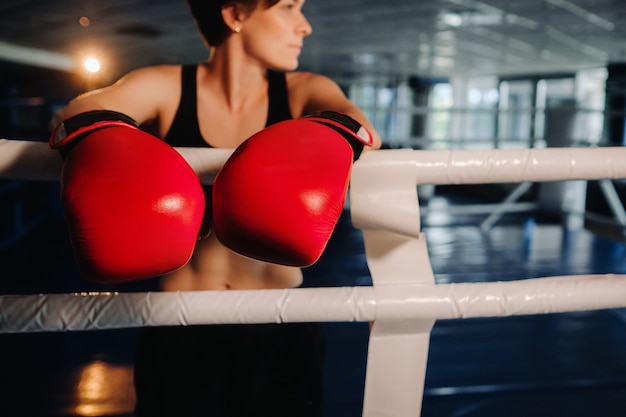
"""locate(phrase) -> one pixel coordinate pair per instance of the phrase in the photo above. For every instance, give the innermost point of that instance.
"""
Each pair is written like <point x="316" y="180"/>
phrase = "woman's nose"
<point x="305" y="27"/>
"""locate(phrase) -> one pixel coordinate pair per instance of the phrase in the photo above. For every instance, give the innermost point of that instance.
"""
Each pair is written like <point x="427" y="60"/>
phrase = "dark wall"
<point x="29" y="96"/>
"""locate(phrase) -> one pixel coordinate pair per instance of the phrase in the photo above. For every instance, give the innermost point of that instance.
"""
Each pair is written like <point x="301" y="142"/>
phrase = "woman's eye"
<point x="291" y="5"/>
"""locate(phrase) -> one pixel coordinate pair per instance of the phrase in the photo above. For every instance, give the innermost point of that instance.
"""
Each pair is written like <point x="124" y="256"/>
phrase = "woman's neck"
<point x="237" y="79"/>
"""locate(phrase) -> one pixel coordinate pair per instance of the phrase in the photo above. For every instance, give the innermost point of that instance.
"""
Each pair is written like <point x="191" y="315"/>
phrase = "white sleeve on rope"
<point x="99" y="311"/>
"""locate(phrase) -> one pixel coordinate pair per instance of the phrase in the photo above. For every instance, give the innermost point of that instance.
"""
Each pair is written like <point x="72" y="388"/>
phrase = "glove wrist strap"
<point x="74" y="128"/>
<point x="355" y="133"/>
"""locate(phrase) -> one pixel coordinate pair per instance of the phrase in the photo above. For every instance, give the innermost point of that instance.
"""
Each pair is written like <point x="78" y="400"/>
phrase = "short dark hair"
<point x="208" y="16"/>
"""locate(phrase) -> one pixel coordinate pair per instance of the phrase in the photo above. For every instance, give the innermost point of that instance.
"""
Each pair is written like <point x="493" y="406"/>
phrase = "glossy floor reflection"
<point x="570" y="364"/>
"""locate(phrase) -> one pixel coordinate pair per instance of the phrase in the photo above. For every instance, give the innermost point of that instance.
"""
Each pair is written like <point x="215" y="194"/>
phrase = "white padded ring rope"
<point x="98" y="311"/>
<point x="36" y="161"/>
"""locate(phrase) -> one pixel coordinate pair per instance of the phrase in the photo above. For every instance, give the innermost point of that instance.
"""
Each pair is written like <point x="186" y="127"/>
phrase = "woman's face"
<point x="275" y="35"/>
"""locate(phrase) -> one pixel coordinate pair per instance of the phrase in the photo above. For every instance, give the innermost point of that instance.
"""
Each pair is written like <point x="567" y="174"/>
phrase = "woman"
<point x="247" y="83"/>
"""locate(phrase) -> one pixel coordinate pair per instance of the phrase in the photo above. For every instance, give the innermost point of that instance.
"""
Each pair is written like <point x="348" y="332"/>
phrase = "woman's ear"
<point x="231" y="16"/>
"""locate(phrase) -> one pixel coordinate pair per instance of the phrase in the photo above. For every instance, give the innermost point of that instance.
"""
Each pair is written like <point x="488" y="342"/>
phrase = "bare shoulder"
<point x="141" y="94"/>
<point x="158" y="83"/>
<point x="306" y="90"/>
<point x="154" y="76"/>
<point x="309" y="81"/>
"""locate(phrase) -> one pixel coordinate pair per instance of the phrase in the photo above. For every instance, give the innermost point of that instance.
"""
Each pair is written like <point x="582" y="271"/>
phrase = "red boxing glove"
<point x="280" y="194"/>
<point x="132" y="204"/>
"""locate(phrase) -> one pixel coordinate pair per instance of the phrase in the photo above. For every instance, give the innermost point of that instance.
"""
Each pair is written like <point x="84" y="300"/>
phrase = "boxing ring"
<point x="404" y="302"/>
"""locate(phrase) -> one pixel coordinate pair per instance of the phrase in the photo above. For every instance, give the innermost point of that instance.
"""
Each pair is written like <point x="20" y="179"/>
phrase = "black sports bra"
<point x="185" y="130"/>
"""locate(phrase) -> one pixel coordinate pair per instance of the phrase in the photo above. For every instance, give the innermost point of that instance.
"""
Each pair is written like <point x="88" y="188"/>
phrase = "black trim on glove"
<point x="353" y="131"/>
<point x="72" y="131"/>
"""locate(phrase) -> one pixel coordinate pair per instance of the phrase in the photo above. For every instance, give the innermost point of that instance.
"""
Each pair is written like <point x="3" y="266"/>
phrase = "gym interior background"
<point x="430" y="74"/>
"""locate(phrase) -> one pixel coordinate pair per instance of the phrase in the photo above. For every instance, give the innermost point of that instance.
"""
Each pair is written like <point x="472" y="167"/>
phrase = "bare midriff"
<point x="215" y="267"/>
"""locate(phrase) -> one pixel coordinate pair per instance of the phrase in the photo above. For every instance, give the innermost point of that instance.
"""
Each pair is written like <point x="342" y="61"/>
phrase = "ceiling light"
<point x="92" y="64"/>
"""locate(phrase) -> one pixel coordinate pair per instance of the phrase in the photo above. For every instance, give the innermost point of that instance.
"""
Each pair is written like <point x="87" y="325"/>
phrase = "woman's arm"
<point x="316" y="93"/>
<point x="137" y="95"/>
